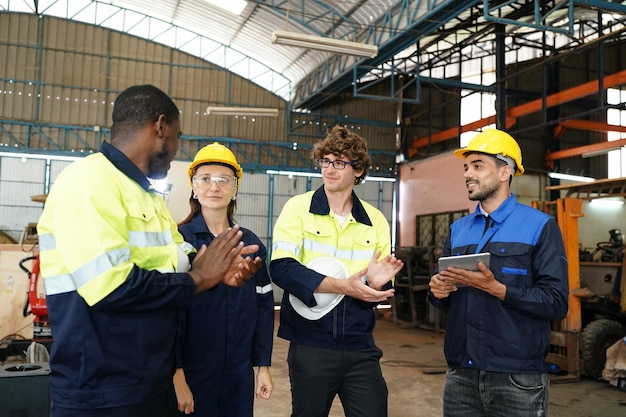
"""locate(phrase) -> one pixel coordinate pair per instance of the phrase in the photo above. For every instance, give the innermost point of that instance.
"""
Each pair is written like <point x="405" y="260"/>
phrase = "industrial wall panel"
<point x="196" y="79"/>
<point x="369" y="190"/>
<point x="19" y="64"/>
<point x="17" y="100"/>
<point x="257" y="224"/>
<point x="19" y="180"/>
<point x="18" y="193"/>
<point x="284" y="185"/>
<point x="66" y="105"/>
<point x="187" y="81"/>
<point x="19" y="28"/>
<point x="125" y="73"/>
<point x="218" y="83"/>
<point x="132" y="48"/>
<point x="17" y="169"/>
<point x="253" y="205"/>
<point x="74" y="69"/>
<point x="90" y="39"/>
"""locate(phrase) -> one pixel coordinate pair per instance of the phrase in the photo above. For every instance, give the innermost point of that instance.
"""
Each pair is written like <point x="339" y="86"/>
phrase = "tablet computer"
<point x="464" y="261"/>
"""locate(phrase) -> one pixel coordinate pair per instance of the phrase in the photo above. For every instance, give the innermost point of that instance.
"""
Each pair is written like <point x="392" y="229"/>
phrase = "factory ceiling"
<point x="413" y="38"/>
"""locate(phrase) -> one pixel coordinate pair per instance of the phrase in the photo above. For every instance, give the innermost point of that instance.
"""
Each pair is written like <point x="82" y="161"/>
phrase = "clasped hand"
<point x="224" y="260"/>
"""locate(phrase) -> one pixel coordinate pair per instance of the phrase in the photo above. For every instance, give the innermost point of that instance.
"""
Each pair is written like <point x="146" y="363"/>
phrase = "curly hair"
<point x="342" y="142"/>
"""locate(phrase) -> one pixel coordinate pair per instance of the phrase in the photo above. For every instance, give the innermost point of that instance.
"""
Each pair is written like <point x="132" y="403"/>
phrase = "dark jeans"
<point x="162" y="406"/>
<point x="477" y="393"/>
<point x="317" y="375"/>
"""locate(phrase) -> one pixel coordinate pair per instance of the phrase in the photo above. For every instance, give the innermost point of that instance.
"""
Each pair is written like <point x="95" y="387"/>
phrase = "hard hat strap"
<point x="509" y="161"/>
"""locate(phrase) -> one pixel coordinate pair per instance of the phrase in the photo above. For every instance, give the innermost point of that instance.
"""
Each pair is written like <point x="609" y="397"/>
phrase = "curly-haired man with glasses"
<point x="331" y="256"/>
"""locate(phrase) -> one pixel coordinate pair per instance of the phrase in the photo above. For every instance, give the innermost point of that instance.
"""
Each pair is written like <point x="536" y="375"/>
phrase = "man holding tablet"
<point x="498" y="323"/>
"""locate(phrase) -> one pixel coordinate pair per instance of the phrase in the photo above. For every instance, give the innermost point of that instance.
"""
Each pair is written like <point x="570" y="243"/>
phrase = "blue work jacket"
<point x="527" y="255"/>
<point x="224" y="333"/>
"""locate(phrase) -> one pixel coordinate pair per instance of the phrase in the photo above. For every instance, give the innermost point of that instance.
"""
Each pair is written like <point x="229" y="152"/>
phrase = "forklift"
<point x="597" y="301"/>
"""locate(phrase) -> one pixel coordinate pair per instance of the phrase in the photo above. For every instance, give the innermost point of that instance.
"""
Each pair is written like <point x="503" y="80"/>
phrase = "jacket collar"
<point x="199" y="226"/>
<point x="502" y="212"/>
<point x="121" y="162"/>
<point x="319" y="205"/>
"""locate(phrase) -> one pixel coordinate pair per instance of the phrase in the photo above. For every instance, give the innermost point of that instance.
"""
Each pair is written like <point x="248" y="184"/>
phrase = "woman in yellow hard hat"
<point x="227" y="331"/>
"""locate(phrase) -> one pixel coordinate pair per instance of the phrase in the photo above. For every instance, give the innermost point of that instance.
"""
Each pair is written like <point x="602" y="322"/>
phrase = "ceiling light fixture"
<point x="291" y="174"/>
<point x="600" y="152"/>
<point x="607" y="202"/>
<point x="338" y="46"/>
<point x="42" y="156"/>
<point x="568" y="177"/>
<point x="242" y="111"/>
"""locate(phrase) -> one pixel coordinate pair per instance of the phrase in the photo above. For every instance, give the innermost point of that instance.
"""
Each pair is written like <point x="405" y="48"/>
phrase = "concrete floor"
<point x="414" y="367"/>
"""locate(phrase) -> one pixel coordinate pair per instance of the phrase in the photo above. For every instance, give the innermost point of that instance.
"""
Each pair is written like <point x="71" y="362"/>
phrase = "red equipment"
<point x="37" y="303"/>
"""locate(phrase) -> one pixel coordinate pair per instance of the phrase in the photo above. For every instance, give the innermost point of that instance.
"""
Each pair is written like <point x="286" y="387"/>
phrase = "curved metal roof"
<point x="240" y="43"/>
<point x="305" y="77"/>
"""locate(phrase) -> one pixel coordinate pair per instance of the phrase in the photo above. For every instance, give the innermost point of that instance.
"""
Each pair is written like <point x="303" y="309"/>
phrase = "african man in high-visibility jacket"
<point x="116" y="270"/>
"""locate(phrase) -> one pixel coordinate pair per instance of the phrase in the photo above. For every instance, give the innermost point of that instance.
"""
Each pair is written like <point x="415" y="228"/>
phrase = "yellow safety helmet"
<point x="497" y="143"/>
<point x="215" y="153"/>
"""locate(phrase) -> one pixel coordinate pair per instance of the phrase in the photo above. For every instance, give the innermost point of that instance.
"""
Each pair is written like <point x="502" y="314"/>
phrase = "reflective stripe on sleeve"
<point x="187" y="247"/>
<point x="46" y="241"/>
<point x="72" y="282"/>
<point x="264" y="289"/>
<point x="287" y="247"/>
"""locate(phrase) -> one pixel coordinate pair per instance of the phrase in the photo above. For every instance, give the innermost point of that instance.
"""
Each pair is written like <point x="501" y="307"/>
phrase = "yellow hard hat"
<point x="495" y="142"/>
<point x="216" y="153"/>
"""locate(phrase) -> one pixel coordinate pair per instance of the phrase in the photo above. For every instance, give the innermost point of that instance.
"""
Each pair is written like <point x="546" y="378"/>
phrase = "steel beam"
<point x="533" y="106"/>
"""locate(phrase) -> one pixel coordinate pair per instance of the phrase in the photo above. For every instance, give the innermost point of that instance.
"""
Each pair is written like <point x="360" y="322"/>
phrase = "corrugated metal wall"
<point x="20" y="179"/>
<point x="68" y="73"/>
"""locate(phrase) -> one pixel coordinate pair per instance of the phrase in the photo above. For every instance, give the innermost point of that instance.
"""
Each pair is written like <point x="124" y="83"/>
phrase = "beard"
<point x="484" y="192"/>
<point x="159" y="165"/>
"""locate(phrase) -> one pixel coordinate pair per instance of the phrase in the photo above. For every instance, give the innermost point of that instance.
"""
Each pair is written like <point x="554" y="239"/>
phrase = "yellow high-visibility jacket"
<point x="307" y="229"/>
<point x="109" y="256"/>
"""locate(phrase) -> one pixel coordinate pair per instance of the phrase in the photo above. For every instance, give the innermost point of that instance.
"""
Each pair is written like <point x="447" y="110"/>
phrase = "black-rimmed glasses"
<point x="337" y="164"/>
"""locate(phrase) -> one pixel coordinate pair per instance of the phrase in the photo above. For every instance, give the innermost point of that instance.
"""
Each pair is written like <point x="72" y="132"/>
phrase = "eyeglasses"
<point x="222" y="181"/>
<point x="337" y="164"/>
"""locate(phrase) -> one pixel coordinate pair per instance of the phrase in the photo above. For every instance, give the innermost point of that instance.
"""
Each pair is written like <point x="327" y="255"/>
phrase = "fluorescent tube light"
<point x="568" y="177"/>
<point x="43" y="156"/>
<point x="338" y="46"/>
<point x="600" y="152"/>
<point x="291" y="174"/>
<point x="242" y="111"/>
<point x="607" y="202"/>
